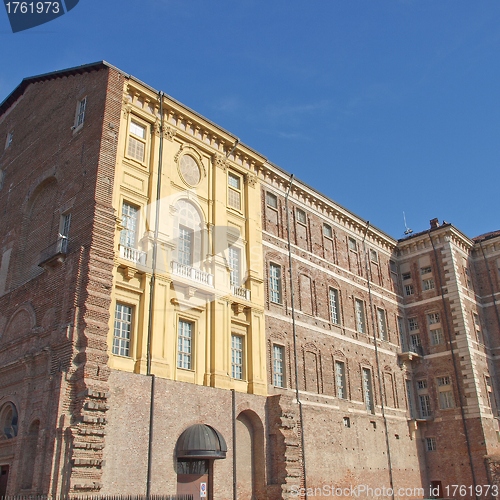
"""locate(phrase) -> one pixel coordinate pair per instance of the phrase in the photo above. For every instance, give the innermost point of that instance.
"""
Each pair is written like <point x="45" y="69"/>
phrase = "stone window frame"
<point x="186" y="355"/>
<point x="235" y="190"/>
<point x="117" y="348"/>
<point x="274" y="372"/>
<point x="334" y="304"/>
<point x="278" y="279"/>
<point x="241" y="362"/>
<point x="131" y="136"/>
<point x="360" y="319"/>
<point x="81" y="109"/>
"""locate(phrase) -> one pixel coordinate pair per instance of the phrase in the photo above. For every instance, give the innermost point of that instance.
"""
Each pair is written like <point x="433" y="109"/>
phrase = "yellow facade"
<point x="207" y="319"/>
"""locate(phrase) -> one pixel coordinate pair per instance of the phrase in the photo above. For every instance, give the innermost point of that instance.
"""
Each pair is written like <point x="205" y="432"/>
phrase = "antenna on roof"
<point x="407" y="229"/>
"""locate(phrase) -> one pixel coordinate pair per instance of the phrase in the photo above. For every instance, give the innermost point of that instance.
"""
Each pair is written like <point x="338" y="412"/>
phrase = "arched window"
<point x="8" y="421"/>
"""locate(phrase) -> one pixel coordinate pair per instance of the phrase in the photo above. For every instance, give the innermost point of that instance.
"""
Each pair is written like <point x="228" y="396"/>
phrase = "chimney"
<point x="434" y="223"/>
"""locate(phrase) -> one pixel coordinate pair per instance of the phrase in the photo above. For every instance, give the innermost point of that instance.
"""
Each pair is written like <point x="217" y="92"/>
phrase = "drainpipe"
<point x="235" y="479"/>
<point x="455" y="368"/>
<point x="380" y="386"/>
<point x="152" y="300"/>
<point x="294" y="330"/>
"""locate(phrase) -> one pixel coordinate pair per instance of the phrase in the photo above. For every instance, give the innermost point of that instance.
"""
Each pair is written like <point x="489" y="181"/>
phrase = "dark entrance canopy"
<point x="201" y="441"/>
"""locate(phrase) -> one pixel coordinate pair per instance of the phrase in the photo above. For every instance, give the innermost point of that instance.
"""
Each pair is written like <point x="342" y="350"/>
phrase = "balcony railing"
<point x="133" y="255"/>
<point x="240" y="291"/>
<point x="54" y="252"/>
<point x="192" y="273"/>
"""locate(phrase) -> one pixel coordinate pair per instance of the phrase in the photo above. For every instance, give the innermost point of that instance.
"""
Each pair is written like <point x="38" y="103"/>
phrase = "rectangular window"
<point x="10" y="138"/>
<point x="185" y="250"/>
<point x="278" y="366"/>
<point x="237" y="357"/>
<point x="368" y="390"/>
<point x="445" y="393"/>
<point x="425" y="405"/>
<point x="359" y="307"/>
<point x="185" y="345"/>
<point x="275" y="283"/>
<point x="301" y="215"/>
<point x="382" y="324"/>
<point x="130" y="215"/>
<point x="137" y="141"/>
<point x="428" y="284"/>
<point x="234" y="266"/>
<point x="425" y="270"/>
<point x="327" y="231"/>
<point x="271" y="200"/>
<point x="409" y="290"/>
<point x="80" y="112"/>
<point x="437" y="336"/>
<point x="373" y="256"/>
<point x="352" y="245"/>
<point x="415" y="342"/>
<point x="334" y="306"/>
<point x="413" y="324"/>
<point x="234" y="191"/>
<point x="409" y="396"/>
<point x="433" y="318"/>
<point x="421" y="384"/>
<point x="406" y="276"/>
<point x="340" y="380"/>
<point x="446" y="400"/>
<point x="468" y="277"/>
<point x="122" y="330"/>
<point x="401" y="331"/>
<point x="430" y="444"/>
<point x="65" y="225"/>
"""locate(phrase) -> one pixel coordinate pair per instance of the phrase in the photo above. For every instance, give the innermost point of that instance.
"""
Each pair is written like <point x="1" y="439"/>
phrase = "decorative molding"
<point x="220" y="161"/>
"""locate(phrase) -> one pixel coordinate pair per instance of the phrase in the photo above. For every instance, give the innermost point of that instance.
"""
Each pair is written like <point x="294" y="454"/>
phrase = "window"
<point x="359" y="308"/>
<point x="129" y="223"/>
<point x="347" y="422"/>
<point x="409" y="290"/>
<point x="352" y="245"/>
<point x="237" y="357"/>
<point x="185" y="250"/>
<point x="333" y="296"/>
<point x="185" y="345"/>
<point x="437" y="336"/>
<point x="340" y="384"/>
<point x="406" y="276"/>
<point x="425" y="405"/>
<point x="368" y="390"/>
<point x="382" y="324"/>
<point x="301" y="215"/>
<point x="65" y="225"/>
<point x="422" y="384"/>
<point x="428" y="284"/>
<point x="401" y="330"/>
<point x="490" y="394"/>
<point x="8" y="421"/>
<point x="122" y="330"/>
<point x="433" y="318"/>
<point x="327" y="231"/>
<point x="468" y="277"/>
<point x="425" y="270"/>
<point x="430" y="444"/>
<point x="234" y="191"/>
<point x="9" y="139"/>
<point x="80" y="113"/>
<point x="278" y="366"/>
<point x="137" y="141"/>
<point x="413" y="324"/>
<point x="373" y="256"/>
<point x="477" y="328"/>
<point x="234" y="265"/>
<point x="445" y="393"/>
<point x="409" y="396"/>
<point x="275" y="283"/>
<point x="415" y="342"/>
<point x="271" y="200"/>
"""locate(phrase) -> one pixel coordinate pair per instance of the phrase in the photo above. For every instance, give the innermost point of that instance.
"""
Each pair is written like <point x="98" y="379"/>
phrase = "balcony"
<point x="410" y="352"/>
<point x="192" y="273"/>
<point x="54" y="253"/>
<point x="241" y="292"/>
<point x="133" y="255"/>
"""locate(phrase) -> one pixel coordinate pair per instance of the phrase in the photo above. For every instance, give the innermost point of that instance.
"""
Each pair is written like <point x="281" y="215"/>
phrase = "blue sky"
<point x="384" y="106"/>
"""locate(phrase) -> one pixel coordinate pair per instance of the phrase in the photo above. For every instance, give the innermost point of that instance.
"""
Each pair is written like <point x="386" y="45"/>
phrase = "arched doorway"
<point x="197" y="448"/>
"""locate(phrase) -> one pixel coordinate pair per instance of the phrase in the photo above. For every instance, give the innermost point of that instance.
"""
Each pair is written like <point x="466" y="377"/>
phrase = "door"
<point x="4" y="476"/>
<point x="193" y="479"/>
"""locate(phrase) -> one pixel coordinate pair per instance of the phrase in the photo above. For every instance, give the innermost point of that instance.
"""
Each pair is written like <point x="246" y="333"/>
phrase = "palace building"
<point x="180" y="315"/>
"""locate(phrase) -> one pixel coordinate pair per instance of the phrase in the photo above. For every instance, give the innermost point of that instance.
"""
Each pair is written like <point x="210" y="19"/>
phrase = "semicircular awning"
<point x="201" y="441"/>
